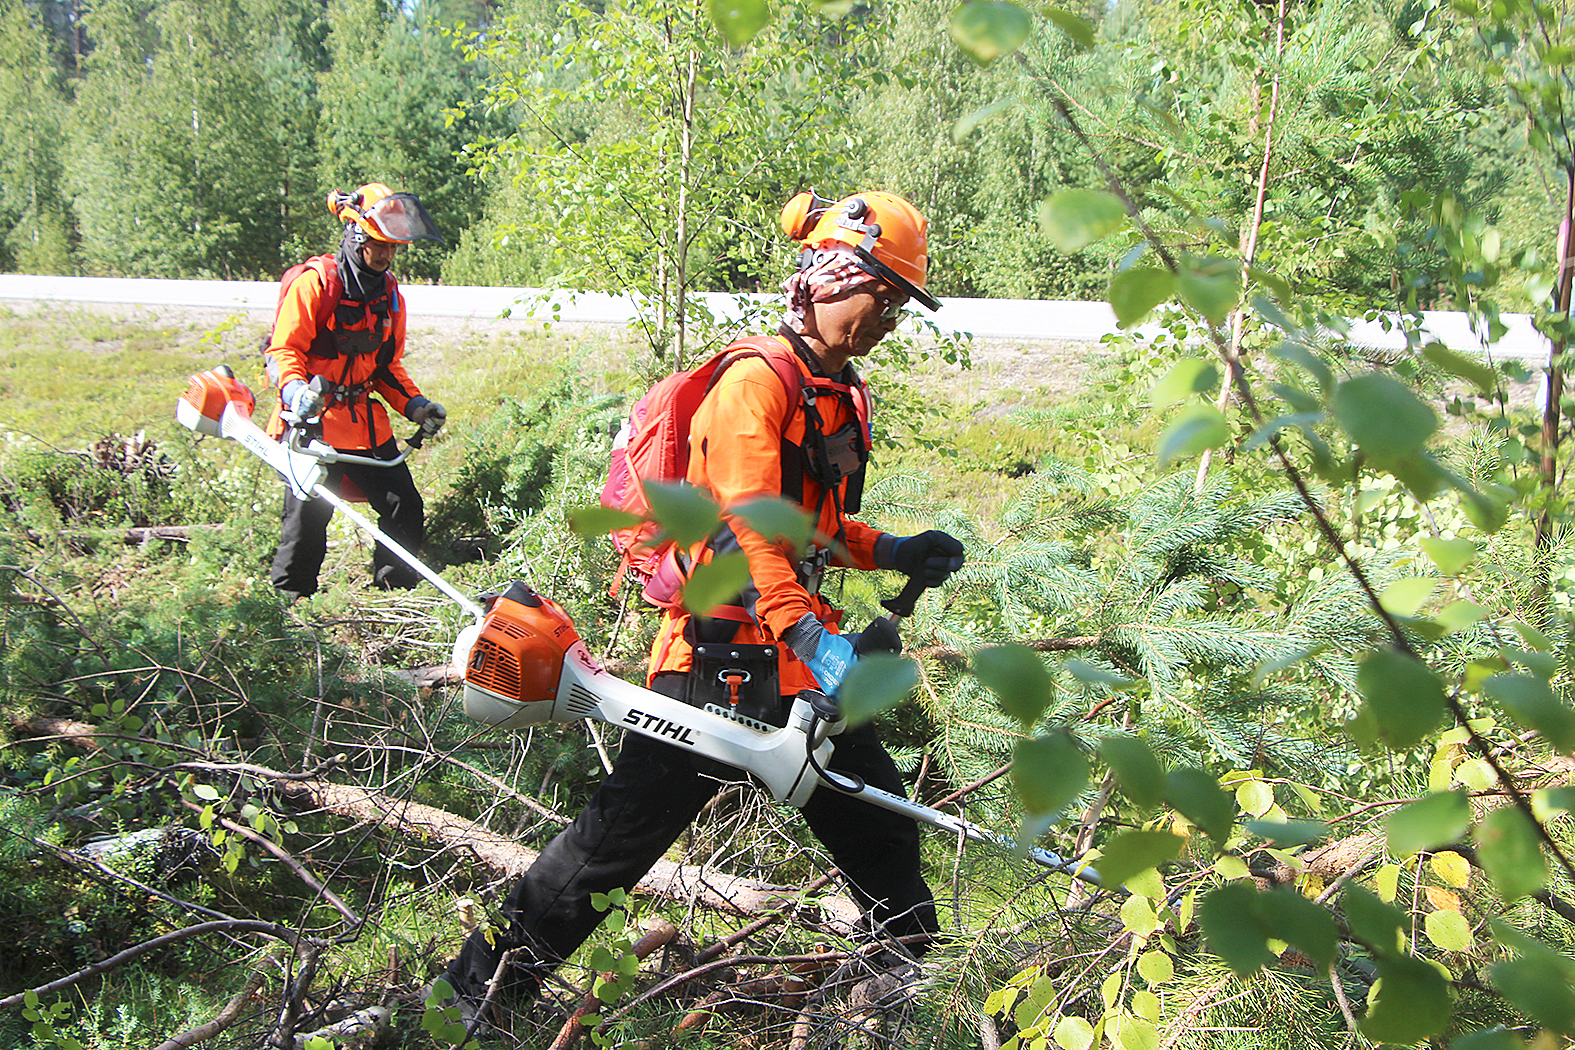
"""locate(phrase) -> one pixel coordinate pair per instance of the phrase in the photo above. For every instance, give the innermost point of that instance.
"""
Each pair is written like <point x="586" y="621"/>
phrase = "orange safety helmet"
<point x="887" y="234"/>
<point x="394" y="218"/>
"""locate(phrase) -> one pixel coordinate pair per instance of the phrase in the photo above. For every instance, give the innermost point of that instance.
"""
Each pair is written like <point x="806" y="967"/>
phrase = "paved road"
<point x="1025" y="319"/>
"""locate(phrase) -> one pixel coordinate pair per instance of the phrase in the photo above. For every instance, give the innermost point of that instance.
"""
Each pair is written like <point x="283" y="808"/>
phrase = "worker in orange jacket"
<point x="341" y="322"/>
<point x="864" y="258"/>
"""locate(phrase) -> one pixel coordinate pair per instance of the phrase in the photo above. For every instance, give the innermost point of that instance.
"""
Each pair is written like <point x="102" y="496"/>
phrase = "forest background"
<point x="1273" y="630"/>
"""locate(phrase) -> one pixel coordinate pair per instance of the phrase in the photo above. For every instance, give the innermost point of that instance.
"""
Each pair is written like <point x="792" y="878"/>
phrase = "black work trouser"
<point x="652" y="794"/>
<point x="389" y="491"/>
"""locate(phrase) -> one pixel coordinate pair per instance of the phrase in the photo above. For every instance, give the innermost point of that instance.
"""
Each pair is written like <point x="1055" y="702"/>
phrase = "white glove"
<point x="301" y="401"/>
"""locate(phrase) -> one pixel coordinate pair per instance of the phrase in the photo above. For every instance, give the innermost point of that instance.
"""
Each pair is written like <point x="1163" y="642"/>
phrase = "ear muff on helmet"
<point x="887" y="234"/>
<point x="394" y="218"/>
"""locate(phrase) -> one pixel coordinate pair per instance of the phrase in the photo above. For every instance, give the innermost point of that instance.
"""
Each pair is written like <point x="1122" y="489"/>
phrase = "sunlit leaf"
<point x="1139" y="773"/>
<point x="716" y="583"/>
<point x="1428" y="823"/>
<point x="1074" y="1033"/>
<point x="1195" y="428"/>
<point x="1210" y="284"/>
<point x="777" y="519"/>
<point x="1133" y="852"/>
<point x="1199" y="797"/>
<point x="1458" y="615"/>
<point x="968" y="122"/>
<point x="1405" y="596"/>
<point x="1135" y="292"/>
<point x="1404" y="696"/>
<point x="1017" y="676"/>
<point x="591" y="522"/>
<point x="1048" y="772"/>
<point x="1451" y="867"/>
<point x="739" y="20"/>
<point x="988" y="29"/>
<point x="1473" y="371"/>
<point x="1074" y="219"/>
<point x="1156" y="967"/>
<point x="1411" y="1002"/>
<point x="1192" y="375"/>
<point x="685" y="513"/>
<point x="1385" y="419"/>
<point x="1449" y="555"/>
<point x="1081" y="32"/>
<point x="1530" y="701"/>
<point x="876" y="683"/>
<point x="1448" y="930"/>
<point x="1510" y="851"/>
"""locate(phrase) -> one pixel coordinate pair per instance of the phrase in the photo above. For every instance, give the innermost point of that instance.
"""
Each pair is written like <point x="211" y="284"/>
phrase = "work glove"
<point x="879" y="637"/>
<point x="930" y="556"/>
<point x="302" y="400"/>
<point x="828" y="656"/>
<point x="429" y="414"/>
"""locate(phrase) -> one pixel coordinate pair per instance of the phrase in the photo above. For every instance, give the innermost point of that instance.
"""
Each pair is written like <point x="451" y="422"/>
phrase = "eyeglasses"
<point x="892" y="304"/>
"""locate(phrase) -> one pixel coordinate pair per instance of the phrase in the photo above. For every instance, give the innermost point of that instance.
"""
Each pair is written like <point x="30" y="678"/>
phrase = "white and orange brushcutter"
<point x="524" y="663"/>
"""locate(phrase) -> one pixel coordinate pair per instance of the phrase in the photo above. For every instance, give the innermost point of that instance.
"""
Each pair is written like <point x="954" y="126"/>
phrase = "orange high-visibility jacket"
<point x="310" y="334"/>
<point x="736" y="447"/>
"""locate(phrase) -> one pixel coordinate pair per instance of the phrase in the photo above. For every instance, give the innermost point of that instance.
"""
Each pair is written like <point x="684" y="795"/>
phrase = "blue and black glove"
<point x="930" y="556"/>
<point x="828" y="656"/>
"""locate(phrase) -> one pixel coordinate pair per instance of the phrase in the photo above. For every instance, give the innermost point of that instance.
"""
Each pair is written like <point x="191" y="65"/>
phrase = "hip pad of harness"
<point x="737" y="678"/>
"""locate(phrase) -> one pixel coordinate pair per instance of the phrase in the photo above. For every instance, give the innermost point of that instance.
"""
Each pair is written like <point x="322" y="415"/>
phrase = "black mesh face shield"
<point x="400" y="218"/>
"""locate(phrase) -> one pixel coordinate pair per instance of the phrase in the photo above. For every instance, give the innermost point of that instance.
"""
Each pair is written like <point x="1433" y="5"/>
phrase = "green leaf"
<point x="1511" y="853"/>
<point x="1473" y="371"/>
<point x="1074" y="1033"/>
<point x="591" y="522"/>
<point x="1406" y="595"/>
<point x="876" y="683"/>
<point x="1195" y="428"/>
<point x="1449" y="555"/>
<point x="969" y="121"/>
<point x="1404" y="696"/>
<point x="206" y="792"/>
<point x="1458" y="615"/>
<point x="1489" y="1039"/>
<point x="1289" y="832"/>
<point x="1290" y="917"/>
<point x="1378" y="925"/>
<point x="739" y="20"/>
<point x="1410" y="1003"/>
<point x="1385" y="419"/>
<point x="1428" y="823"/>
<point x="1540" y="983"/>
<point x="1135" y="292"/>
<point x="1017" y="676"/>
<point x="1297" y="354"/>
<point x="1199" y="797"/>
<point x="988" y="29"/>
<point x="1048" y="772"/>
<point x="716" y="583"/>
<point x="1081" y="32"/>
<point x="1092" y="674"/>
<point x="1210" y="284"/>
<point x="685" y="513"/>
<point x="1488" y="511"/>
<point x="1074" y="219"/>
<point x="1139" y="773"/>
<point x="1232" y="929"/>
<point x="1134" y="852"/>
<point x="1530" y="701"/>
<point x="777" y="519"/>
<point x="1270" y="311"/>
<point x="1448" y="930"/>
<point x="601" y="959"/>
<point x="1193" y="375"/>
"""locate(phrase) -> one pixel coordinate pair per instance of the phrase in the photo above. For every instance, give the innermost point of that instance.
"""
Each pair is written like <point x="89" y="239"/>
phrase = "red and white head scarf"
<point x="834" y="272"/>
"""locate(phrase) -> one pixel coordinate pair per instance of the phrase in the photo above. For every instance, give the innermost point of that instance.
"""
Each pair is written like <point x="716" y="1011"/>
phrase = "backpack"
<point x="328" y="270"/>
<point x="653" y="445"/>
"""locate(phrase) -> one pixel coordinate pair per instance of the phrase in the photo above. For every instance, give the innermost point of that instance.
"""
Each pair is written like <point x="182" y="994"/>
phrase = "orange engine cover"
<point x="519" y="652"/>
